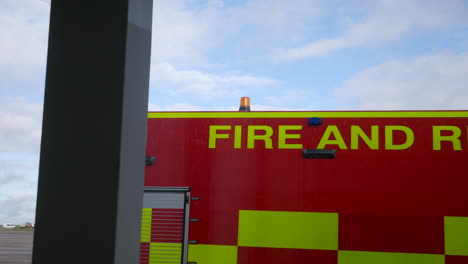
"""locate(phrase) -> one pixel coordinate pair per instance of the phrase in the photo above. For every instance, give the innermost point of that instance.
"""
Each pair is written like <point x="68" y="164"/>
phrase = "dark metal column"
<point x="94" y="132"/>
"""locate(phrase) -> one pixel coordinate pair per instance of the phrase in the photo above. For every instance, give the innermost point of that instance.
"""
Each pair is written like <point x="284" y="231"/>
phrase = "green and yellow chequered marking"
<point x="215" y="254"/>
<point x="362" y="257"/>
<point x="319" y="231"/>
<point x="212" y="254"/>
<point x="165" y="252"/>
<point x="146" y="225"/>
<point x="456" y="235"/>
<point x="280" y="229"/>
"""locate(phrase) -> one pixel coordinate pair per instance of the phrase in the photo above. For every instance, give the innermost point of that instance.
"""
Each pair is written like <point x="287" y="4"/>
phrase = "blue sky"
<point x="285" y="55"/>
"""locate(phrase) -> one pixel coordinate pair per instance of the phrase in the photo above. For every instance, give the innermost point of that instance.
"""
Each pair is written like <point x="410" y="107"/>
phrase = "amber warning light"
<point x="244" y="104"/>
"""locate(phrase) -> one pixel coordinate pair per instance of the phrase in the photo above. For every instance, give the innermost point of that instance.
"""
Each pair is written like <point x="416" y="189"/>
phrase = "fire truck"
<point x="306" y="187"/>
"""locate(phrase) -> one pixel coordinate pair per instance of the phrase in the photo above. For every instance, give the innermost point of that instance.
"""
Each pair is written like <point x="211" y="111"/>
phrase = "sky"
<point x="285" y="55"/>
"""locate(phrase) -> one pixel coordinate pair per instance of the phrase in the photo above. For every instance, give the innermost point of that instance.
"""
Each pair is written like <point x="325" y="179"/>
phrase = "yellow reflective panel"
<point x="212" y="254"/>
<point x="162" y="245"/>
<point x="364" y="257"/>
<point x="145" y="235"/>
<point x="165" y="253"/>
<point x="456" y="235"/>
<point x="279" y="229"/>
<point x="382" y="114"/>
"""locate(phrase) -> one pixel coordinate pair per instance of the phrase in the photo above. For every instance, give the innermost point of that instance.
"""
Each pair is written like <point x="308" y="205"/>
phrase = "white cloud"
<point x="388" y="21"/>
<point x="175" y="107"/>
<point x="20" y="132"/>
<point x="185" y="32"/>
<point x="314" y="49"/>
<point x="17" y="208"/>
<point x="279" y="100"/>
<point x="182" y="35"/>
<point x="23" y="48"/>
<point x="431" y="82"/>
<point x="275" y="22"/>
<point x="188" y="107"/>
<point x="291" y="100"/>
<point x="205" y="85"/>
<point x="20" y="125"/>
<point x="276" y="14"/>
<point x="18" y="186"/>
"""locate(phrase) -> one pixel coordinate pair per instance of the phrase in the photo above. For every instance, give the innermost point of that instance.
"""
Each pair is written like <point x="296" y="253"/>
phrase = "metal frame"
<point x="186" y="191"/>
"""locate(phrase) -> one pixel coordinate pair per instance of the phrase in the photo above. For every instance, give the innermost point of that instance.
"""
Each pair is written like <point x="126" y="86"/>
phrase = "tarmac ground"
<point x="15" y="247"/>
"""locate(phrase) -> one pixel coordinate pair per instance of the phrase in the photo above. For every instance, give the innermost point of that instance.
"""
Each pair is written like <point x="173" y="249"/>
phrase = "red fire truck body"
<point x="314" y="187"/>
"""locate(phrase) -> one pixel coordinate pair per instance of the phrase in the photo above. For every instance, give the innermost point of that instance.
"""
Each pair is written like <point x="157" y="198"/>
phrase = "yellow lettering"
<point x="214" y="135"/>
<point x="237" y="137"/>
<point x="454" y="138"/>
<point x="389" y="137"/>
<point x="325" y="140"/>
<point x="283" y="135"/>
<point x="252" y="137"/>
<point x="372" y="142"/>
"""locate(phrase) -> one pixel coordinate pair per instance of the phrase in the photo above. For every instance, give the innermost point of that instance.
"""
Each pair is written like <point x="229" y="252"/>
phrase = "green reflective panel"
<point x="456" y="235"/>
<point x="364" y="257"/>
<point x="279" y="229"/>
<point x="212" y="254"/>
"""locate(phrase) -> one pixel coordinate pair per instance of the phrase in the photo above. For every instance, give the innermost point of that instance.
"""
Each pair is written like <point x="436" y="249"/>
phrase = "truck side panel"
<point x="395" y="185"/>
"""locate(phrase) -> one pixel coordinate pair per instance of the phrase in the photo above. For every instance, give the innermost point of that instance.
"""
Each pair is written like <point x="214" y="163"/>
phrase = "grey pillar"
<point x="94" y="132"/>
